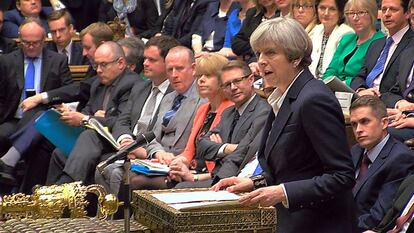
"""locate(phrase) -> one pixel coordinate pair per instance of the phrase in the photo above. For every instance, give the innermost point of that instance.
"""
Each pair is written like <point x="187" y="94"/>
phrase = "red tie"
<point x="363" y="168"/>
<point x="399" y="223"/>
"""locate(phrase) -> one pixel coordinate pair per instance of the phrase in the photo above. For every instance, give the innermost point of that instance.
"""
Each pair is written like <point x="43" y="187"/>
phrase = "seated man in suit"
<point x="237" y="123"/>
<point x="399" y="217"/>
<point x="24" y="8"/>
<point x="91" y="38"/>
<point x="140" y="115"/>
<point x="378" y="74"/>
<point x="132" y="121"/>
<point x="109" y="91"/>
<point x="61" y="28"/>
<point x="6" y="45"/>
<point x="380" y="161"/>
<point x="27" y="71"/>
<point x="134" y="53"/>
<point x="185" y="19"/>
<point x="175" y="119"/>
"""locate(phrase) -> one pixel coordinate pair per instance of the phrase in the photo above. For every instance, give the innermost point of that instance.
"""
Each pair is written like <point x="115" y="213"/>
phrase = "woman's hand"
<point x="234" y="184"/>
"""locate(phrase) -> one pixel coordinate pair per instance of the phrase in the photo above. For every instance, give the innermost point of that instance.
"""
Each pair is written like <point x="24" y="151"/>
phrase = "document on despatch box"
<point x="191" y="200"/>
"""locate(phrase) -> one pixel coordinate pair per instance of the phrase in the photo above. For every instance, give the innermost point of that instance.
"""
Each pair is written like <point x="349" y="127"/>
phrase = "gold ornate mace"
<point x="52" y="201"/>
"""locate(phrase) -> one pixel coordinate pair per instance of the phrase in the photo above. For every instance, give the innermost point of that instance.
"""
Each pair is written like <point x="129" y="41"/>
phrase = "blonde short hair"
<point x="369" y="5"/>
<point x="210" y="64"/>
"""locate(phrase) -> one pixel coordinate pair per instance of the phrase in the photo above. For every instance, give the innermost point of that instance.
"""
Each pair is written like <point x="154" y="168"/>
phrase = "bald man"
<point x="29" y="70"/>
<point x="114" y="79"/>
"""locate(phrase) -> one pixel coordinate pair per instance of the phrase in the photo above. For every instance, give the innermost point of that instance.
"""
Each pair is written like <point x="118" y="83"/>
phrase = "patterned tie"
<point x="233" y="125"/>
<point x="29" y="79"/>
<point x="170" y="114"/>
<point x="379" y="66"/>
<point x="145" y="120"/>
<point x="363" y="168"/>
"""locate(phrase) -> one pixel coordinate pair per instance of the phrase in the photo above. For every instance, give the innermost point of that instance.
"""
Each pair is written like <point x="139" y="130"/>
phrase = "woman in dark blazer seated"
<point x="308" y="172"/>
<point x="264" y="10"/>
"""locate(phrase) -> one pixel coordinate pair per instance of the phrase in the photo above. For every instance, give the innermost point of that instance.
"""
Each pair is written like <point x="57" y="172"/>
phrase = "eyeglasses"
<point x="391" y="10"/>
<point x="358" y="14"/>
<point x="327" y="10"/>
<point x="31" y="43"/>
<point x="303" y="6"/>
<point x="104" y="65"/>
<point x="236" y="81"/>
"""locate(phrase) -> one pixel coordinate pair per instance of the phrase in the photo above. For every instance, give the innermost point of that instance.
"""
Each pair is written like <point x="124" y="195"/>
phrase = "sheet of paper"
<point x="199" y="196"/>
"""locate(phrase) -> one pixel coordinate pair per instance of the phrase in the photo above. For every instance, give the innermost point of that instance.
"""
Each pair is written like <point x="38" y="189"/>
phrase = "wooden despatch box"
<point x="161" y="217"/>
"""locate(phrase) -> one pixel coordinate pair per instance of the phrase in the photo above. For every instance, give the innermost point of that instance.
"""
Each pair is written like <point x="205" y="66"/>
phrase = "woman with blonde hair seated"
<point x="348" y="59"/>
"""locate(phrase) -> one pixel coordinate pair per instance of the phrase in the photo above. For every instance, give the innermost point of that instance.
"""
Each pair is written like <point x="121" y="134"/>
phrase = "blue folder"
<point x="61" y="135"/>
<point x="146" y="171"/>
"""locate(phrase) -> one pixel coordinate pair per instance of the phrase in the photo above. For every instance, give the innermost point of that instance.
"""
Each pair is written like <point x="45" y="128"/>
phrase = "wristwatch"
<point x="259" y="181"/>
<point x="85" y="120"/>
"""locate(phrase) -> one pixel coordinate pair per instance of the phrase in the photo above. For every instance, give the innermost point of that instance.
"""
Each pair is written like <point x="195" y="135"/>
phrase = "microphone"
<point x="141" y="140"/>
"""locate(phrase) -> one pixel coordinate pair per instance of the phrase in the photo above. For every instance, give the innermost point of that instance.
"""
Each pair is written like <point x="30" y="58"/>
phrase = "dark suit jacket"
<point x="83" y="12"/>
<point x="399" y="90"/>
<point x="305" y="148"/>
<point x="402" y="197"/>
<point x="211" y="22"/>
<point x="255" y="114"/>
<point x="77" y="91"/>
<point x="121" y="89"/>
<point x="55" y="73"/>
<point x="374" y="193"/>
<point x="389" y="78"/>
<point x="183" y="21"/>
<point x="7" y="45"/>
<point x="76" y="57"/>
<point x="240" y="44"/>
<point x="13" y="19"/>
<point x="232" y="164"/>
<point x="128" y="118"/>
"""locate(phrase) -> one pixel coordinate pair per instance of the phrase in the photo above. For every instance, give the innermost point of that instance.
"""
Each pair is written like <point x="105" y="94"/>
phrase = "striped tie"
<point x="170" y="114"/>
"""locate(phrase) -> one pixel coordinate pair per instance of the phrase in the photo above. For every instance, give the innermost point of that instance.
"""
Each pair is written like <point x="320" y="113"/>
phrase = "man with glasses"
<point x="381" y="65"/>
<point x="237" y="121"/>
<point x="25" y="72"/>
<point x="91" y="37"/>
<point x="109" y="96"/>
<point x="238" y="127"/>
<point x="62" y="30"/>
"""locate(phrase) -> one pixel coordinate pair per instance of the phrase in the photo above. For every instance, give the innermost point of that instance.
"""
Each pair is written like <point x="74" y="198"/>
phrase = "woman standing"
<point x="308" y="172"/>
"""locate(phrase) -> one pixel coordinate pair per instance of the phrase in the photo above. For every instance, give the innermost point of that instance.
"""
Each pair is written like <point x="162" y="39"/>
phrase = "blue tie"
<point x="29" y="78"/>
<point x="170" y="114"/>
<point x="379" y="66"/>
<point x="258" y="170"/>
